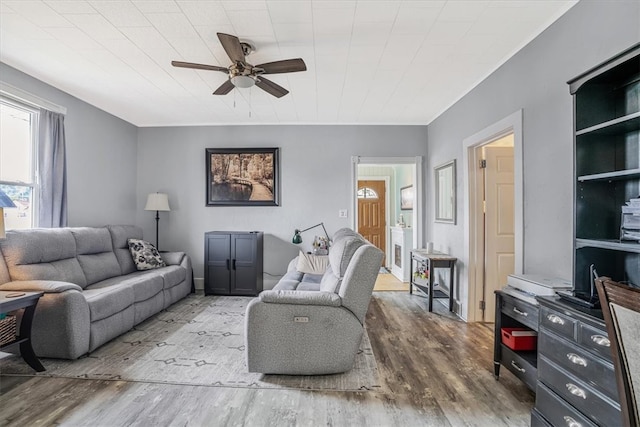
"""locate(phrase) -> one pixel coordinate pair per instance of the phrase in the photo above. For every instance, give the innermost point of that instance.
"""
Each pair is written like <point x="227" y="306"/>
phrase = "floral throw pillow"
<point x="145" y="255"/>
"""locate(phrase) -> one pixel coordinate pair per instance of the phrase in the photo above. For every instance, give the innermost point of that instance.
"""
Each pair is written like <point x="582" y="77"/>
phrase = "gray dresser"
<point x="576" y="383"/>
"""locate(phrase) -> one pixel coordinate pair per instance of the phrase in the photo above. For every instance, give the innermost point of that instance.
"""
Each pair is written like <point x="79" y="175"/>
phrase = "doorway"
<point x="397" y="174"/>
<point x="493" y="215"/>
<point x="372" y="216"/>
<point x="494" y="218"/>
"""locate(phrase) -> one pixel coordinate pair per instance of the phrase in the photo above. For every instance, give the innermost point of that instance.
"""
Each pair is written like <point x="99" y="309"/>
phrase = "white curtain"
<point x="52" y="170"/>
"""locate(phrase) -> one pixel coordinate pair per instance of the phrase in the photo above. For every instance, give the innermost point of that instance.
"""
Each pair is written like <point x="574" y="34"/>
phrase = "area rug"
<point x="197" y="341"/>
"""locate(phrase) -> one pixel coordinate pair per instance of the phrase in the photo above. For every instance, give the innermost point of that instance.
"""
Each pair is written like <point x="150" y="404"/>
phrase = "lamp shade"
<point x="157" y="202"/>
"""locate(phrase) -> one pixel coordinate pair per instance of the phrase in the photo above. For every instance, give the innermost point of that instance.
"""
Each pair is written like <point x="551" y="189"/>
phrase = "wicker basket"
<point x="7" y="329"/>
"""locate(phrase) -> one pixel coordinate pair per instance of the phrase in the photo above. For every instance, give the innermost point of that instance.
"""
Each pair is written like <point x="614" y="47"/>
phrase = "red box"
<point x="519" y="338"/>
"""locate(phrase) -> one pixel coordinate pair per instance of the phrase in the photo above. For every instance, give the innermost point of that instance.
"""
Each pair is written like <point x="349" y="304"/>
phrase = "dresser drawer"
<point x="558" y="322"/>
<point x="598" y="373"/>
<point x="557" y="412"/>
<point x="520" y="366"/>
<point x="595" y="340"/>
<point x="593" y="404"/>
<point x="538" y="420"/>
<point x="523" y="312"/>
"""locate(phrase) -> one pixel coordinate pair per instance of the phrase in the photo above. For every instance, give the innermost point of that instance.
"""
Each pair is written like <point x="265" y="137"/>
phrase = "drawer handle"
<point x="576" y="360"/>
<point x="576" y="391"/>
<point x="520" y="312"/>
<point x="518" y="367"/>
<point x="571" y="422"/>
<point x="600" y="340"/>
<point x="555" y="319"/>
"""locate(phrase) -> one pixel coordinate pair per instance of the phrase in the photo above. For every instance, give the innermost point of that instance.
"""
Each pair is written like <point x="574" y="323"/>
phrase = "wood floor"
<point x="389" y="282"/>
<point x="436" y="371"/>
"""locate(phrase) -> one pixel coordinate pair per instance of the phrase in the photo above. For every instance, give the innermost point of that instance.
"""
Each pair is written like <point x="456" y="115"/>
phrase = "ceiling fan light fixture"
<point x="243" y="81"/>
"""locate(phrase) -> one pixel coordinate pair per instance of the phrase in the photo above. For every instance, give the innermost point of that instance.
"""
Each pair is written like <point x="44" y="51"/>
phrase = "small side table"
<point x="423" y="261"/>
<point x="27" y="301"/>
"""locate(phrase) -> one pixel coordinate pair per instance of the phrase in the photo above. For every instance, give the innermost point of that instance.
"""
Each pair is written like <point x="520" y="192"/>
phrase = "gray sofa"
<point x="93" y="291"/>
<point x="309" y="324"/>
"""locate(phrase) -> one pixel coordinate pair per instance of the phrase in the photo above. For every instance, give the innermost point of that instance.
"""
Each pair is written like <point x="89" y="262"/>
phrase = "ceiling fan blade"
<point x="224" y="88"/>
<point x="198" y="66"/>
<point x="232" y="46"/>
<point x="271" y="88"/>
<point x="284" y="66"/>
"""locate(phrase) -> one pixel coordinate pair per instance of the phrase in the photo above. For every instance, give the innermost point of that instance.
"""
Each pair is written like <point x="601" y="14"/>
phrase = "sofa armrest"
<point x="46" y="286"/>
<point x="172" y="258"/>
<point x="301" y="298"/>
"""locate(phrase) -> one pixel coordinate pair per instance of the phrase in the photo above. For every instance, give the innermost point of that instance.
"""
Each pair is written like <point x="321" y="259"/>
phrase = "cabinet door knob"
<point x="601" y="340"/>
<point x="518" y="367"/>
<point x="576" y="360"/>
<point x="571" y="422"/>
<point x="555" y="319"/>
<point x="520" y="312"/>
<point x="576" y="391"/>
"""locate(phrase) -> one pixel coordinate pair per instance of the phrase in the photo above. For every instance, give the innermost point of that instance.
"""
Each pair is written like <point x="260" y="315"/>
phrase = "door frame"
<point x="418" y="218"/>
<point x="387" y="213"/>
<point x="472" y="209"/>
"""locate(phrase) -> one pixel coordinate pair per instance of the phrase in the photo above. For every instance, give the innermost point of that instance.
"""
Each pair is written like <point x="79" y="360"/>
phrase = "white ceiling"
<point x="369" y="62"/>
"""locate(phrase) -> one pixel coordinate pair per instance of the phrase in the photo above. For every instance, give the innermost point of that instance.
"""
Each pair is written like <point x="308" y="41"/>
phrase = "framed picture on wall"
<point x="406" y="198"/>
<point x="242" y="176"/>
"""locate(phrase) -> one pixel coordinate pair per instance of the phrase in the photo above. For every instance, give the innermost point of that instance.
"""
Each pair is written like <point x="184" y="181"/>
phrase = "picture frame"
<point x="242" y="176"/>
<point x="406" y="198"/>
<point x="445" y="186"/>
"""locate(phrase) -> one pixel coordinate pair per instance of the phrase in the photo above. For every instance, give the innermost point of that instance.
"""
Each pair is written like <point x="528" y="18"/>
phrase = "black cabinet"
<point x="576" y="381"/>
<point x="233" y="263"/>
<point x="606" y="106"/>
<point x="515" y="313"/>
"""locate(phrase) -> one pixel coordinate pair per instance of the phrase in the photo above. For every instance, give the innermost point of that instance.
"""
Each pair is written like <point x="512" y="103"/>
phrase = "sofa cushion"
<point x="145" y="284"/>
<point x="308" y="286"/>
<point x="286" y="285"/>
<point x="342" y="251"/>
<point x="312" y="264"/>
<point x="95" y="253"/>
<point x="145" y="255"/>
<point x="172" y="275"/>
<point x="108" y="300"/>
<point x="119" y="236"/>
<point x="330" y="282"/>
<point x="42" y="254"/>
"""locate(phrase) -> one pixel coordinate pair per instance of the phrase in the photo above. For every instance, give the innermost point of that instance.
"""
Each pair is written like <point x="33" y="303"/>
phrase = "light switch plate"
<point x="342" y="213"/>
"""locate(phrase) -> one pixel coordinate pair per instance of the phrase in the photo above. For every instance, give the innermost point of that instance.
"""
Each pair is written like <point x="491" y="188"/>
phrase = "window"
<point x="367" y="193"/>
<point x="18" y="135"/>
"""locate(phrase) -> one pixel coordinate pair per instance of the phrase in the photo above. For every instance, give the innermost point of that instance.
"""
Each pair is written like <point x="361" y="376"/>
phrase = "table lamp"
<point x="297" y="238"/>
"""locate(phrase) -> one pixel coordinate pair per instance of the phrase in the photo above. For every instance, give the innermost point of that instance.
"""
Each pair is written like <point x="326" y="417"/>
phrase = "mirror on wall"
<point x="446" y="192"/>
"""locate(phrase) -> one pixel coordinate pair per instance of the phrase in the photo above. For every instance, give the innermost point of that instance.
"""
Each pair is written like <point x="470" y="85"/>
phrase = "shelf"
<point x="621" y="125"/>
<point x="531" y="356"/>
<point x="615" y="245"/>
<point x="611" y="176"/>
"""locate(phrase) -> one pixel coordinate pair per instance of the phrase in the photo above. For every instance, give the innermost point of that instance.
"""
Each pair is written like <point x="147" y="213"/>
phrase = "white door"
<point x="499" y="223"/>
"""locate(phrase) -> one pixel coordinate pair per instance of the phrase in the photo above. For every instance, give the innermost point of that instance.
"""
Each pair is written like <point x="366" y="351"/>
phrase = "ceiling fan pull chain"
<point x="250" y="90"/>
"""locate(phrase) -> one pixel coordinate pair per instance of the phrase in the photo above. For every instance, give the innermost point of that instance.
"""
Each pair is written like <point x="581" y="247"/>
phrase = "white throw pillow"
<point x="145" y="255"/>
<point x="312" y="264"/>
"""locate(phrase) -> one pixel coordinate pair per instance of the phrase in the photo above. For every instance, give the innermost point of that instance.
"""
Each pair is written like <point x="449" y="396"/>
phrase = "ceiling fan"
<point x="244" y="75"/>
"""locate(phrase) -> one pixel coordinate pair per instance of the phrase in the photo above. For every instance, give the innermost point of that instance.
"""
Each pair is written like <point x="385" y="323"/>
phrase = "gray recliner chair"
<point x="296" y="332"/>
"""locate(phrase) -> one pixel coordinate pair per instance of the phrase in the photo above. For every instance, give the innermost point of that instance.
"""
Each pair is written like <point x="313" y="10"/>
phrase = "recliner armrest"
<point x="46" y="286"/>
<point x="172" y="258"/>
<point x="330" y="299"/>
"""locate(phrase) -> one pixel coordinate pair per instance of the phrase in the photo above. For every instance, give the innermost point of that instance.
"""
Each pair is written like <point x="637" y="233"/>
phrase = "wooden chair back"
<point x="621" y="311"/>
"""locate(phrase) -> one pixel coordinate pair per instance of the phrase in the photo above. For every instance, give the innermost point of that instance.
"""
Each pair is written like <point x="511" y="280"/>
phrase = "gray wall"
<point x="535" y="80"/>
<point x="101" y="156"/>
<point x="315" y="171"/>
